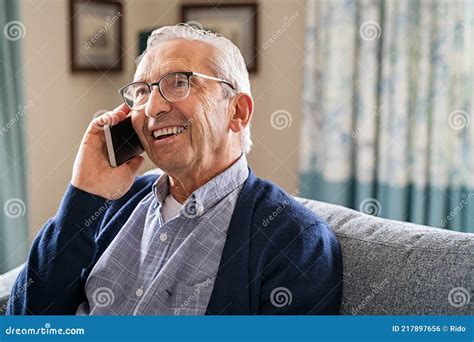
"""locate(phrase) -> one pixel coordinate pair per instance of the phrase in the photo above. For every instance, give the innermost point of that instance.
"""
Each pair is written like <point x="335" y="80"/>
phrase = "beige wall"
<point x="63" y="104"/>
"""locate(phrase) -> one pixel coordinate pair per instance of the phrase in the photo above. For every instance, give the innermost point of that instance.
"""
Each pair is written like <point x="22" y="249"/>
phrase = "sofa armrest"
<point x="6" y="284"/>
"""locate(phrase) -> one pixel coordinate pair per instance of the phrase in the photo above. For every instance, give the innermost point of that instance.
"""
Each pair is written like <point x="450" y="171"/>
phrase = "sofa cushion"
<point x="398" y="268"/>
<point x="6" y="284"/>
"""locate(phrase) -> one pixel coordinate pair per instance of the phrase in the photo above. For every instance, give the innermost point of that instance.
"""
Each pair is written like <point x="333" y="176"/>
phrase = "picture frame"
<point x="235" y="21"/>
<point x="96" y="35"/>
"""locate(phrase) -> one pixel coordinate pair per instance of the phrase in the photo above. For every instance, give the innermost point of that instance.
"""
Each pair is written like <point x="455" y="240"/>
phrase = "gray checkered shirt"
<point x="151" y="268"/>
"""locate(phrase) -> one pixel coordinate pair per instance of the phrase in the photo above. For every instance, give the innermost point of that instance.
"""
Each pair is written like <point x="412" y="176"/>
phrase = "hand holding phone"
<point x="92" y="171"/>
<point x="122" y="142"/>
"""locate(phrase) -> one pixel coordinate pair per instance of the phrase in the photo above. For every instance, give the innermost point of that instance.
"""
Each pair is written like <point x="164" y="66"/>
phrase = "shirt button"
<point x="163" y="236"/>
<point x="139" y="292"/>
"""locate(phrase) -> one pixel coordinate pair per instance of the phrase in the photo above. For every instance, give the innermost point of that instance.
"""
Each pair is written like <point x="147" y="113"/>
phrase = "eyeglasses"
<point x="173" y="87"/>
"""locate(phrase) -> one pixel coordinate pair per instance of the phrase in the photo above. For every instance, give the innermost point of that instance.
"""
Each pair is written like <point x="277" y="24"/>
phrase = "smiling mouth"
<point x="168" y="132"/>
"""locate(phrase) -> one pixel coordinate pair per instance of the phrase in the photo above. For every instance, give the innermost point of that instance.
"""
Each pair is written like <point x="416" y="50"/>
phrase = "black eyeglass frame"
<point x="188" y="74"/>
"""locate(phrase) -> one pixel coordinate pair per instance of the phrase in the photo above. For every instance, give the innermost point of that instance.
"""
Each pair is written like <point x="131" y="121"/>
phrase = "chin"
<point x="169" y="162"/>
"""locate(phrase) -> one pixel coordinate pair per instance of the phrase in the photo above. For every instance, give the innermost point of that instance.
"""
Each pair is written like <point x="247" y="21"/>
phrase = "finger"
<point x="133" y="164"/>
<point x="109" y="118"/>
<point x="122" y="108"/>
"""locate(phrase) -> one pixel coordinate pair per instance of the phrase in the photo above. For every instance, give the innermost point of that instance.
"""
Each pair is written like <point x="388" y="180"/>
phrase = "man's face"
<point x="203" y="112"/>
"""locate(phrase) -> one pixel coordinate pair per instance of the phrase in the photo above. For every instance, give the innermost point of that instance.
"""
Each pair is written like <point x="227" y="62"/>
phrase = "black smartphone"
<point x="122" y="142"/>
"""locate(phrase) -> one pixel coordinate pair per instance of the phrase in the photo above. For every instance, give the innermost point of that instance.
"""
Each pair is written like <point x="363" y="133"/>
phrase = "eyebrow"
<point x="140" y="78"/>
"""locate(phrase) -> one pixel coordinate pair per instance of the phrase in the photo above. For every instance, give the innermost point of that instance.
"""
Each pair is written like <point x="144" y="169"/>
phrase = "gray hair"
<point x="227" y="63"/>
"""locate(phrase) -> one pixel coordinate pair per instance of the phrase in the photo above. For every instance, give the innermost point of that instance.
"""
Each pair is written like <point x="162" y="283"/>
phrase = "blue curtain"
<point x="388" y="109"/>
<point x="13" y="218"/>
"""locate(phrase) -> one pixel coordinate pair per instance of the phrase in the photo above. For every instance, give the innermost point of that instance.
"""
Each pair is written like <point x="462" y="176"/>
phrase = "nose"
<point x="156" y="105"/>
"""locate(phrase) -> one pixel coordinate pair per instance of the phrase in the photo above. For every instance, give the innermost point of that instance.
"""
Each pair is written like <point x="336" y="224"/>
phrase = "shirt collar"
<point x="209" y="194"/>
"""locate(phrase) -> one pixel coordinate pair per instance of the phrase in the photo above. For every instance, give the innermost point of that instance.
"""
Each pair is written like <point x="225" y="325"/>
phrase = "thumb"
<point x="134" y="164"/>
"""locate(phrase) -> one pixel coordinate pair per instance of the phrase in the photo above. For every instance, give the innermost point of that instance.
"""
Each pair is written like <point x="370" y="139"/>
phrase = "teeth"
<point x="170" y="130"/>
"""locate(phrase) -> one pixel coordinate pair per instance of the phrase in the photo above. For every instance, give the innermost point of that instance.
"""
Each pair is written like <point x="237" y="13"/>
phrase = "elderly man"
<point x="204" y="237"/>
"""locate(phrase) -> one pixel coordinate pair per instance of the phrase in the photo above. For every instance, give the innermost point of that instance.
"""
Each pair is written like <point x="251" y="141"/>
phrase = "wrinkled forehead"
<point x="174" y="55"/>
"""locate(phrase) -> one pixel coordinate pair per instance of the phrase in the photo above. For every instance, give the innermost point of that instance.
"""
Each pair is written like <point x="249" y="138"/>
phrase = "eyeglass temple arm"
<point x="213" y="78"/>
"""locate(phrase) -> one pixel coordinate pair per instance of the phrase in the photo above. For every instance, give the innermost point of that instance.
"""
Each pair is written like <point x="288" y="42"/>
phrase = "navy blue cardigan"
<point x="273" y="242"/>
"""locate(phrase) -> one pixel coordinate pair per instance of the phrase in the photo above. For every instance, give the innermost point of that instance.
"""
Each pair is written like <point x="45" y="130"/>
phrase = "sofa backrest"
<point x="399" y="268"/>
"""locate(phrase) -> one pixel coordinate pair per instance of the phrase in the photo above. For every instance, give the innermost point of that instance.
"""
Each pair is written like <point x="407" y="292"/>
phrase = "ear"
<point x="241" y="112"/>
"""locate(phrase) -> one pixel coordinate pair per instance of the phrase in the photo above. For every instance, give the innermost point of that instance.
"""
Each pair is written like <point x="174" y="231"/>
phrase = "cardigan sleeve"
<point x="303" y="276"/>
<point x="50" y="282"/>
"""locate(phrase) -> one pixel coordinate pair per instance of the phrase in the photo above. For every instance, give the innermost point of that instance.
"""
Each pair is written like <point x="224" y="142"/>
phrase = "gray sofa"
<point x="390" y="267"/>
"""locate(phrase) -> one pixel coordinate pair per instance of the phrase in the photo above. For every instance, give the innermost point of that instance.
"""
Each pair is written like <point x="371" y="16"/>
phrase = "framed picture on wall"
<point x="96" y="35"/>
<point x="238" y="22"/>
